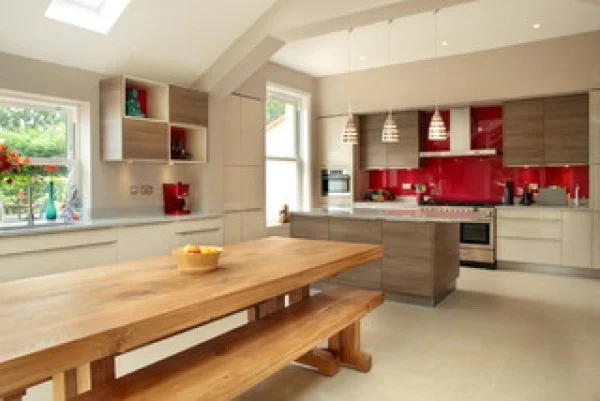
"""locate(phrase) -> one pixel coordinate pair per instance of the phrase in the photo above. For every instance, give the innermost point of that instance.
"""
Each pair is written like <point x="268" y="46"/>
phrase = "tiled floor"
<point x="502" y="336"/>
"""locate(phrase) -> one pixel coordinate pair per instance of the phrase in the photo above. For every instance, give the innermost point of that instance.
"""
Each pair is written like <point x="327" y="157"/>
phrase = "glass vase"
<point x="51" y="207"/>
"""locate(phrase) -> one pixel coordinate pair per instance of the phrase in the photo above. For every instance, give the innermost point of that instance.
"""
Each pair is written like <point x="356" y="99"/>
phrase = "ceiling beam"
<point x="280" y="24"/>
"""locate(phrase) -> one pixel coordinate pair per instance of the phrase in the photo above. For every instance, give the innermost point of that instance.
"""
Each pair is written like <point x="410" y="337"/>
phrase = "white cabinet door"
<point x="595" y="186"/>
<point x="544" y="252"/>
<point x="253" y="132"/>
<point x="232" y="228"/>
<point x="254" y="225"/>
<point x="596" y="241"/>
<point x="198" y="232"/>
<point x="233" y="131"/>
<point x="57" y="260"/>
<point x="534" y="229"/>
<point x="145" y="241"/>
<point x="232" y="188"/>
<point x="577" y="227"/>
<point x="332" y="152"/>
<point x="253" y="187"/>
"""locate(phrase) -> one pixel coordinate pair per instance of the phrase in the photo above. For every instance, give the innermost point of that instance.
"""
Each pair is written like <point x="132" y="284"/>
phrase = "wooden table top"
<point x="53" y="323"/>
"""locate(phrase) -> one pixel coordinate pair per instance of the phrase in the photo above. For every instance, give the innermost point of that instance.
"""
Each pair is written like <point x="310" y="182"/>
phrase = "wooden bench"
<point x="226" y="366"/>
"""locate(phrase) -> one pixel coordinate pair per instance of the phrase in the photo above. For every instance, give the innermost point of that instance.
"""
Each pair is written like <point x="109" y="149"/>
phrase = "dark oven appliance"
<point x="335" y="182"/>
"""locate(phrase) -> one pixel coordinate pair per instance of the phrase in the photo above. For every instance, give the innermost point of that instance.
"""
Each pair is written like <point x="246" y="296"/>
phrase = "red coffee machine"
<point x="175" y="197"/>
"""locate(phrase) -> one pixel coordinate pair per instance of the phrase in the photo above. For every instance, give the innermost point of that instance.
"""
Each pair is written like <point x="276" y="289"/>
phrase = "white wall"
<point x="108" y="189"/>
<point x="563" y="65"/>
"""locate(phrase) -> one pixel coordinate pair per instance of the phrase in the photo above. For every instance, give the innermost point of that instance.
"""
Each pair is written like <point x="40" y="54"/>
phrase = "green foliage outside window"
<point x="275" y="108"/>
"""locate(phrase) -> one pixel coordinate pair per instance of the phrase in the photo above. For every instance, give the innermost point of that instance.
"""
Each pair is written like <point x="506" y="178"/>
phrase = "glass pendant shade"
<point x="350" y="135"/>
<point x="437" y="128"/>
<point x="390" y="133"/>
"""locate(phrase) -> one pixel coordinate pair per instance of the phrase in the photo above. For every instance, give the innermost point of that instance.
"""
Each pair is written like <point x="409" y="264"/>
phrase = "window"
<point x="44" y="133"/>
<point x="285" y="152"/>
<point x="95" y="15"/>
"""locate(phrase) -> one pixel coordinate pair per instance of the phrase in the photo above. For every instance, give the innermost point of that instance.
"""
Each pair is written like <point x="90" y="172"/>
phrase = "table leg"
<point x="18" y="396"/>
<point x="266" y="308"/>
<point x="299" y="294"/>
<point x="346" y="345"/>
<point x="83" y="378"/>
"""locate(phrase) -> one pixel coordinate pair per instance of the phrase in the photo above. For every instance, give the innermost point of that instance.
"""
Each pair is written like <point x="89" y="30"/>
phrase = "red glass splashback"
<point x="476" y="179"/>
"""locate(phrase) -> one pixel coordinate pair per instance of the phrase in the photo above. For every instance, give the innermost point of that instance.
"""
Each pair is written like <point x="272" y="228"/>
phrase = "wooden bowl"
<point x="196" y="262"/>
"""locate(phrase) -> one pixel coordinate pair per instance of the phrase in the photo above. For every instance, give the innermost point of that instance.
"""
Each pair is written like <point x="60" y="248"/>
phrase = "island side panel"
<point x="367" y="276"/>
<point x="408" y="263"/>
<point x="310" y="227"/>
<point x="447" y="259"/>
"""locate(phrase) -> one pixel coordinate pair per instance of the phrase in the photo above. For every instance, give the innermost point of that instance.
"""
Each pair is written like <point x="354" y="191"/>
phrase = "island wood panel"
<point x="373" y="152"/>
<point x="361" y="231"/>
<point x="91" y="314"/>
<point x="145" y="140"/>
<point x="309" y="227"/>
<point x="408" y="264"/>
<point x="523" y="135"/>
<point x="188" y="106"/>
<point x="447" y="258"/>
<point x="566" y="129"/>
<point x="405" y="154"/>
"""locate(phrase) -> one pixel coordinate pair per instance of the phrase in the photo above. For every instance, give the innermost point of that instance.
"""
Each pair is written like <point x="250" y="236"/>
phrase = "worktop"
<point x="541" y="207"/>
<point x="414" y="215"/>
<point x="102" y="223"/>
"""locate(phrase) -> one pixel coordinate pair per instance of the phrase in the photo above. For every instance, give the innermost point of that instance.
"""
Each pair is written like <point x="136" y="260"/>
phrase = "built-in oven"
<point x="478" y="243"/>
<point x="335" y="182"/>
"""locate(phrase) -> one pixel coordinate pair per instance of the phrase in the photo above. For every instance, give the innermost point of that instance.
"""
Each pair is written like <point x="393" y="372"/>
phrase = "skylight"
<point x="95" y="15"/>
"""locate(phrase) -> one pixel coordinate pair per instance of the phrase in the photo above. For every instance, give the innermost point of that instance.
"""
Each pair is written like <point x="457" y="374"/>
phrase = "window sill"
<point x="278" y="225"/>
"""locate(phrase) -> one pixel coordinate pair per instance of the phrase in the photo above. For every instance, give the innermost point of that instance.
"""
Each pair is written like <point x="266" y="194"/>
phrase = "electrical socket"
<point x="146" y="189"/>
<point x="133" y="190"/>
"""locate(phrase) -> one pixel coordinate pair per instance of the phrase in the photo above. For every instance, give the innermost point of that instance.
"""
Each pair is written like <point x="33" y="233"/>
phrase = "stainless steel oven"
<point x="478" y="241"/>
<point x="335" y="182"/>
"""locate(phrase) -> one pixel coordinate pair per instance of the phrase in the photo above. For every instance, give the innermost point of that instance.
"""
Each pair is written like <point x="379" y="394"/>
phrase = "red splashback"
<point x="476" y="179"/>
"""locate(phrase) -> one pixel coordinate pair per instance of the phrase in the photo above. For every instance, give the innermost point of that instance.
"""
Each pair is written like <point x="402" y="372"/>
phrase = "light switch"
<point x="133" y="190"/>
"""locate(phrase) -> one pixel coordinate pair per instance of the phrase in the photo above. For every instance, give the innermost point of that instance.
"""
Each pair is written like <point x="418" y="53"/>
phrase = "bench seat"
<point x="228" y="365"/>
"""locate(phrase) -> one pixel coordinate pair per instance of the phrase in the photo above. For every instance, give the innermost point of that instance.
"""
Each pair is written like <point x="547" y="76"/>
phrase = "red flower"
<point x="50" y="169"/>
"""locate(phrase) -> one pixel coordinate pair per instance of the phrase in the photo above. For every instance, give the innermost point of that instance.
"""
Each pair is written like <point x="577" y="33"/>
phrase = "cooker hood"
<point x="460" y="137"/>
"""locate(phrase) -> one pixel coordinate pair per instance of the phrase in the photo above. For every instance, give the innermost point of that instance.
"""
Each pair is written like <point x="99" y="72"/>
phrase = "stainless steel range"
<point x="477" y="239"/>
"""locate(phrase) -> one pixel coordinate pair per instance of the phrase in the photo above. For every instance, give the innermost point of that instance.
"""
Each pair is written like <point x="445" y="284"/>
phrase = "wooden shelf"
<point x="193" y="140"/>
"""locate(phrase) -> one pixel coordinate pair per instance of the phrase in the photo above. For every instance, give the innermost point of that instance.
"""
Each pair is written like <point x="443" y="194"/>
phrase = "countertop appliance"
<point x="509" y="193"/>
<point x="477" y="239"/>
<point x="175" y="198"/>
<point x="335" y="182"/>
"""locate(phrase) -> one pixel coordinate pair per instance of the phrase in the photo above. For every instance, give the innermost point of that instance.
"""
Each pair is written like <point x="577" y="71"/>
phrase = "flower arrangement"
<point x="11" y="162"/>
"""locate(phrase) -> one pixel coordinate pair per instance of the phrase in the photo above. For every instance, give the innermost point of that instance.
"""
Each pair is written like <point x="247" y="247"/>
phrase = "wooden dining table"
<point x="58" y="326"/>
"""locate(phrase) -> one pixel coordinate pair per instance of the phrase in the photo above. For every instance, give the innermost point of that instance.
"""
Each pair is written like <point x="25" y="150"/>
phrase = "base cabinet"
<point x="244" y="226"/>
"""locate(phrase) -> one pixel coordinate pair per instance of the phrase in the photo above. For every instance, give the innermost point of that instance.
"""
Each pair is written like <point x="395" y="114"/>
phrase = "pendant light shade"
<point x="437" y="128"/>
<point x="350" y="135"/>
<point x="390" y="133"/>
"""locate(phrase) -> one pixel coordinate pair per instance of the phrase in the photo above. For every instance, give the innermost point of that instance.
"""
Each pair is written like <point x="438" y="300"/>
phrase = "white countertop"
<point x="96" y="224"/>
<point x="533" y="207"/>
<point x="397" y="215"/>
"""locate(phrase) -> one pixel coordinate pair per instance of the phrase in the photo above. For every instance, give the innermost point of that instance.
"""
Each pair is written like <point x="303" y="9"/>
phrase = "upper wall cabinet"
<point x="375" y="155"/>
<point x="566" y="130"/>
<point x="550" y="131"/>
<point x="523" y="137"/>
<point x="244" y="132"/>
<point x="142" y="120"/>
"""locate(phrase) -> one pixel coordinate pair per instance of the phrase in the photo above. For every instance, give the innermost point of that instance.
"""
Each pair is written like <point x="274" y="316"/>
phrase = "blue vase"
<point x="51" y="208"/>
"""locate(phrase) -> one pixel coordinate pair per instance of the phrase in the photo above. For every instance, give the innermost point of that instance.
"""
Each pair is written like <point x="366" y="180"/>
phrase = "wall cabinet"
<point x="375" y="154"/>
<point x="174" y="116"/>
<point x="550" y="131"/>
<point x="332" y="152"/>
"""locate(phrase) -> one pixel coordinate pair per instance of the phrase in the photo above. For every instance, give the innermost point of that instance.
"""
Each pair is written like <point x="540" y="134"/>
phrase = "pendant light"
<point x="390" y="133"/>
<point x="437" y="127"/>
<point x="350" y="135"/>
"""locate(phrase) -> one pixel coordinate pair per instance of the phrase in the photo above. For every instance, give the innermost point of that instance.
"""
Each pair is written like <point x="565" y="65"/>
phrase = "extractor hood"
<point x="460" y="137"/>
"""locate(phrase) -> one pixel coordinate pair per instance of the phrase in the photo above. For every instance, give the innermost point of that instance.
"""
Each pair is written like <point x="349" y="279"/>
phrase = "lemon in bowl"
<point x="197" y="258"/>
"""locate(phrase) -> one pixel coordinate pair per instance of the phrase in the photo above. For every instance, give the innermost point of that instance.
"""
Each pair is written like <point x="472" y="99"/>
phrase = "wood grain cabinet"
<point x="361" y="231"/>
<point x="145" y="140"/>
<point x="309" y="227"/>
<point x="375" y="154"/>
<point x="188" y="106"/>
<point x="523" y="136"/>
<point x="566" y="130"/>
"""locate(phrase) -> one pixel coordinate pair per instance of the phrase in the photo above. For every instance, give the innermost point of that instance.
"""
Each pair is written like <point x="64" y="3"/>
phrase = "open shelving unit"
<point x="173" y="128"/>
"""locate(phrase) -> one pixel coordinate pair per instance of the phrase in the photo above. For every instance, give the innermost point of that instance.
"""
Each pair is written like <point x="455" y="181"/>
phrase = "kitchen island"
<point x="421" y="248"/>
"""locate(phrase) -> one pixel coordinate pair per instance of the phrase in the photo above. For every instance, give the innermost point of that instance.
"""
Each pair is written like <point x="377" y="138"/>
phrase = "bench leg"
<point x="76" y="381"/>
<point x="266" y="308"/>
<point x="299" y="295"/>
<point x="346" y="344"/>
<point x="322" y="360"/>
<point x="18" y="396"/>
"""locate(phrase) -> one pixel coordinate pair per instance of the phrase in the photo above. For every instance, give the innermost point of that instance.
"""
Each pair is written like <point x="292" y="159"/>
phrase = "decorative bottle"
<point x="51" y="208"/>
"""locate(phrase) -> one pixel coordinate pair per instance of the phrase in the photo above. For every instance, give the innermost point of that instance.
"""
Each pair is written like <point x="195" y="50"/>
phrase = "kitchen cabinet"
<point x="254" y="225"/>
<point x="253" y="189"/>
<point x="361" y="231"/>
<point x="188" y="106"/>
<point x="309" y="227"/>
<point x="244" y="132"/>
<point x="595" y="127"/>
<point x="596" y="241"/>
<point x="233" y="131"/>
<point x="523" y="136"/>
<point x="405" y="154"/>
<point x="144" y="241"/>
<point x="566" y="130"/>
<point x="232" y="228"/>
<point x="202" y="232"/>
<point x="145" y="140"/>
<point x="375" y="154"/>
<point x="577" y="227"/>
<point x="333" y="154"/>
<point x="595" y="186"/>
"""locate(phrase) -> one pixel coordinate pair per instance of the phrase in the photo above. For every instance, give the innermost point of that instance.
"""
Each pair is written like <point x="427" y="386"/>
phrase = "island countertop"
<point x="414" y="215"/>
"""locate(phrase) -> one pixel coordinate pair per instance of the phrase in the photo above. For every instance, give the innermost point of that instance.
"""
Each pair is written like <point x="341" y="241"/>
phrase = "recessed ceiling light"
<point x="444" y="43"/>
<point x="537" y="26"/>
<point x="94" y="15"/>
